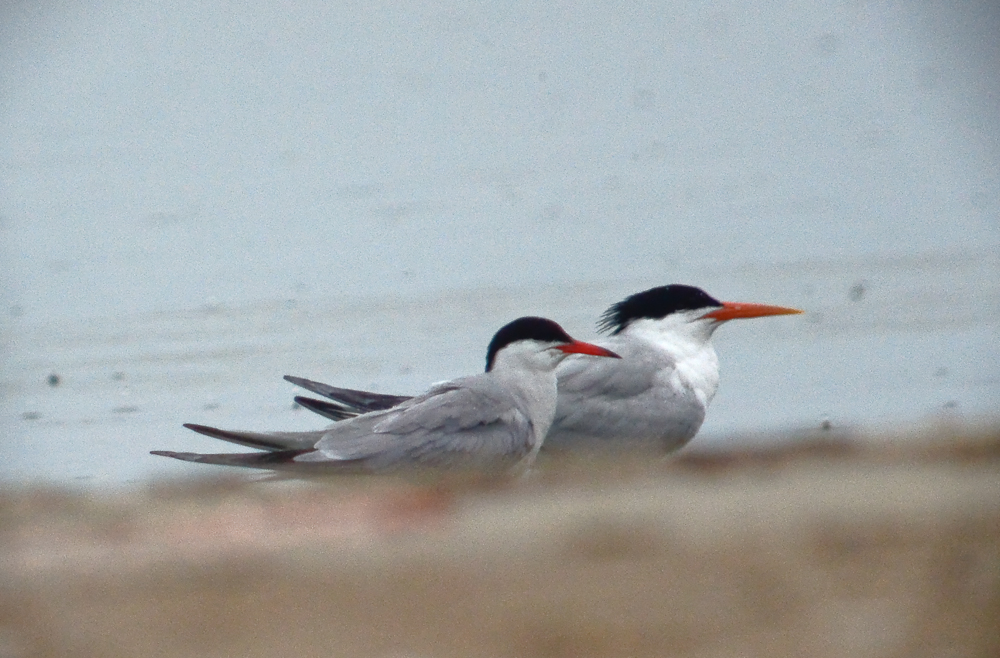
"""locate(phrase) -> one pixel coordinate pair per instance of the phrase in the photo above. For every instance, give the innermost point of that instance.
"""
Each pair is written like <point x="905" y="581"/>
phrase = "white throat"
<point x="687" y="339"/>
<point x="528" y="367"/>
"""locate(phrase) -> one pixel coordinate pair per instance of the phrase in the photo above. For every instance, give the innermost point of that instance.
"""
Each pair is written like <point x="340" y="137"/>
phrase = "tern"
<point x="493" y="421"/>
<point x="656" y="395"/>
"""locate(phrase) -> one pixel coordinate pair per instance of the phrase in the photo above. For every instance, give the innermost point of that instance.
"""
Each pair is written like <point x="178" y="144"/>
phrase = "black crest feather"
<point x="655" y="304"/>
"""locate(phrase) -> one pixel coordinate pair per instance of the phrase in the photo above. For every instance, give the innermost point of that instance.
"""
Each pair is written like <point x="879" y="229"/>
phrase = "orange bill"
<point x="579" y="347"/>
<point x="739" y="310"/>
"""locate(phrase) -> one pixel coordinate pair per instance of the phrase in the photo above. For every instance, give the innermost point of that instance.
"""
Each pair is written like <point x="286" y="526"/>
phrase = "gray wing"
<point x="358" y="401"/>
<point x="465" y="423"/>
<point x="275" y="461"/>
<point x="330" y="410"/>
<point x="605" y="400"/>
<point x="281" y="448"/>
<point x="271" y="441"/>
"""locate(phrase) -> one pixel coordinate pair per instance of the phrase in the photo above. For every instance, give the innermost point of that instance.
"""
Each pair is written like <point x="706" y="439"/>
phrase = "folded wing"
<point x="466" y="423"/>
<point x="605" y="402"/>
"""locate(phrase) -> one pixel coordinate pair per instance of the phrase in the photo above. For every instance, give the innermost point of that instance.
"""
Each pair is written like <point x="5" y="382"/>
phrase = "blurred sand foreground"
<point x="888" y="548"/>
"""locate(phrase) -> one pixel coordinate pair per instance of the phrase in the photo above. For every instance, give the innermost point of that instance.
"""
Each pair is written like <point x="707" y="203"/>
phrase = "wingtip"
<point x="183" y="456"/>
<point x="262" y="460"/>
<point x="329" y="410"/>
<point x="213" y="432"/>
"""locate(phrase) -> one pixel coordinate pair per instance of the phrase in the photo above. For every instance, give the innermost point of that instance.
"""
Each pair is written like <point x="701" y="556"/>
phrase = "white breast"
<point x="657" y="393"/>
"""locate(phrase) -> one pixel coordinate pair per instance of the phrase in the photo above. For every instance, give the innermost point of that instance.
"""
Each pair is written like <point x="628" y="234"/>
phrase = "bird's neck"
<point x="537" y="391"/>
<point x="689" y="346"/>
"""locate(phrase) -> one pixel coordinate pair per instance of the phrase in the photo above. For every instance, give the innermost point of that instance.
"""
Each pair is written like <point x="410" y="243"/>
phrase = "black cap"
<point x="528" y="328"/>
<point x="655" y="304"/>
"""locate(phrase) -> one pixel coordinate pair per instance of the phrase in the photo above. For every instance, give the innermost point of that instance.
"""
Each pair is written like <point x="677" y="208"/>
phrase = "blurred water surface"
<point x="878" y="349"/>
<point x="198" y="199"/>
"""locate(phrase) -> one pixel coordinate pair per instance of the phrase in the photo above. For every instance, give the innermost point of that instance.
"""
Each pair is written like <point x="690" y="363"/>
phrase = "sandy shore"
<point x="828" y="548"/>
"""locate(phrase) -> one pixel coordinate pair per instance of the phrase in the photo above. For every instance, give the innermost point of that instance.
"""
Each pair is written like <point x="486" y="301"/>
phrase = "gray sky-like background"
<point x="423" y="159"/>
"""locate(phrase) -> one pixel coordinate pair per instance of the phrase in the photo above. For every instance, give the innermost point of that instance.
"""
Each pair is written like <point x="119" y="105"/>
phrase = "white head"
<point x="679" y="311"/>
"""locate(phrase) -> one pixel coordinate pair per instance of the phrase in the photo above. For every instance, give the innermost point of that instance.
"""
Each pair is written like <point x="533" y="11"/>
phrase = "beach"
<point x="846" y="547"/>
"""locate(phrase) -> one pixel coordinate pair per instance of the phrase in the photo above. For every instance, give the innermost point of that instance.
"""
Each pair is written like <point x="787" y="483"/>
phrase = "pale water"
<point x="200" y="199"/>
